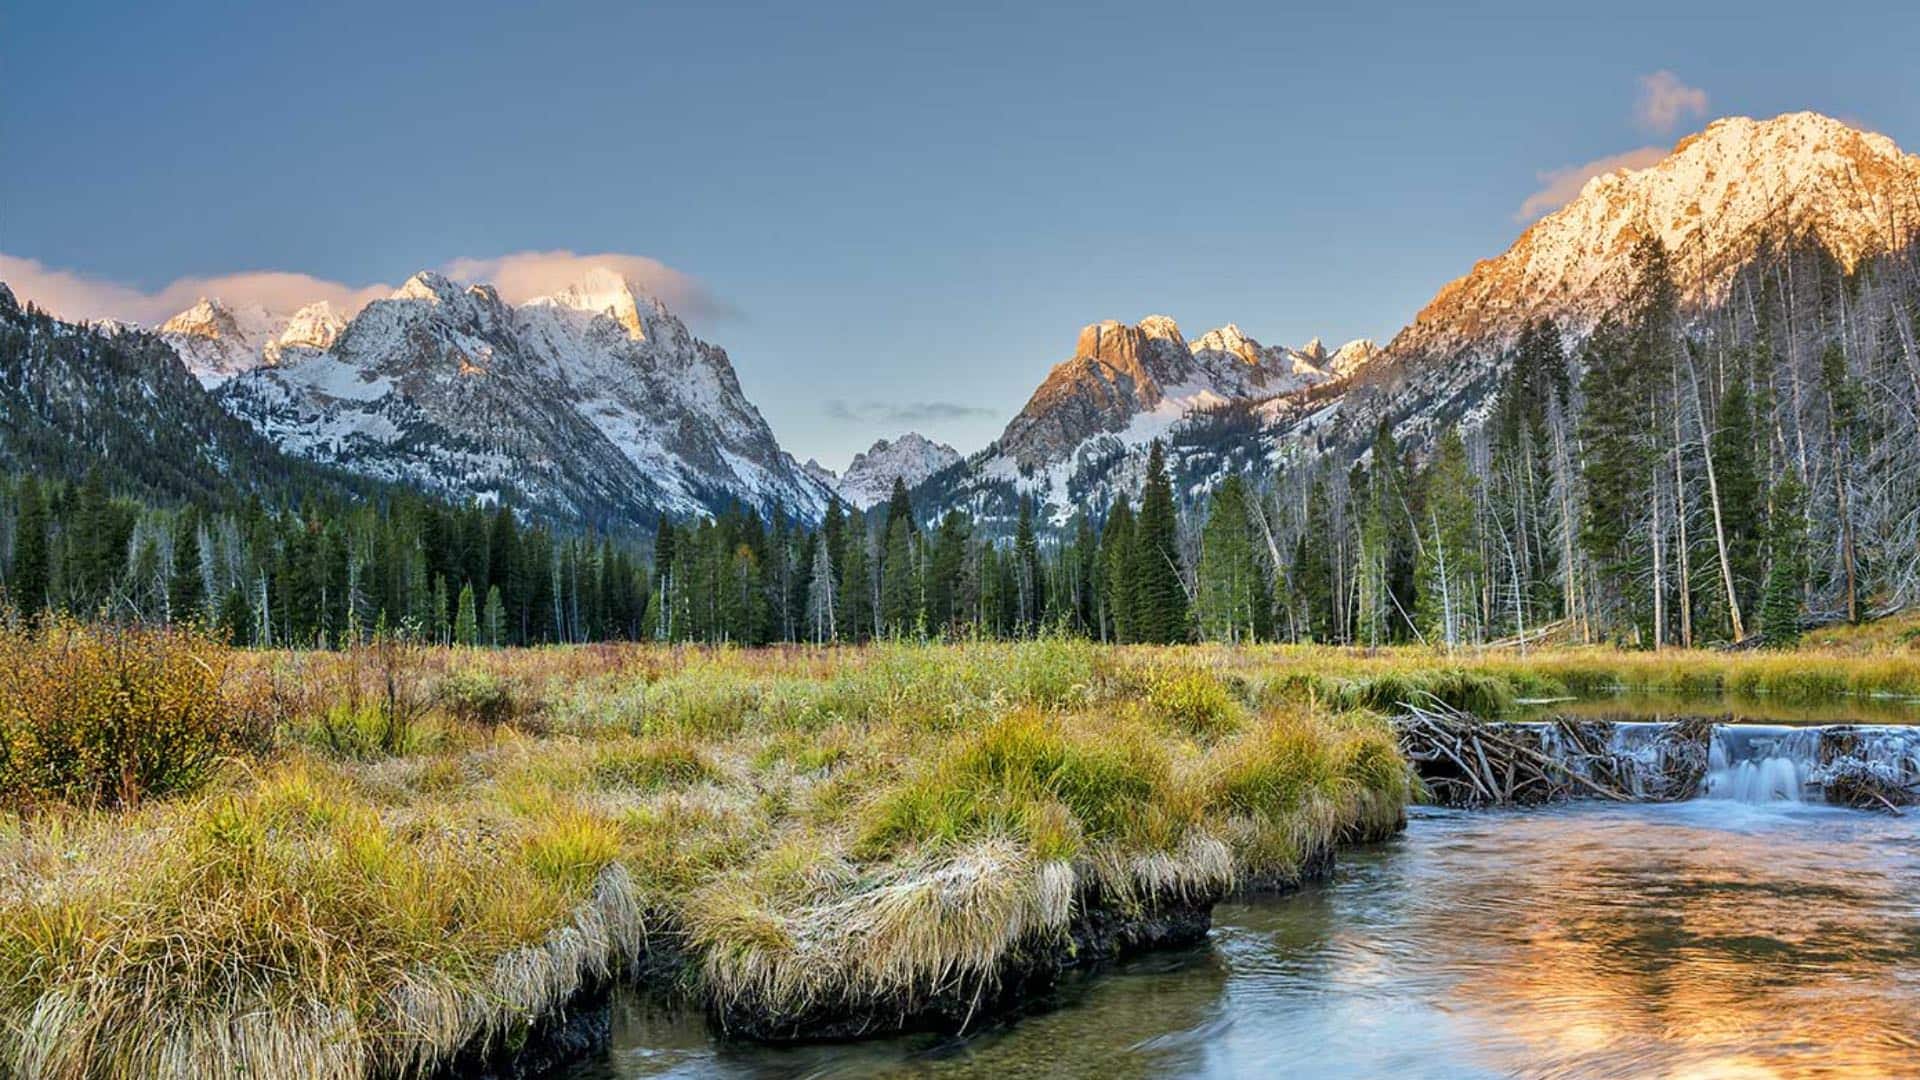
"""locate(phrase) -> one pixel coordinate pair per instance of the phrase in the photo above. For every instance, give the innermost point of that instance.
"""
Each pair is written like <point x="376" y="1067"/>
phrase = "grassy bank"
<point x="383" y="856"/>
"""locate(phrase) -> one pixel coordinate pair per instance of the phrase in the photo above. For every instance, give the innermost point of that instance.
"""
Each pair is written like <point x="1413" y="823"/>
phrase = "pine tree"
<point x="466" y="624"/>
<point x="1232" y="597"/>
<point x="1787" y="576"/>
<point x="1116" y="558"/>
<point x="900" y="507"/>
<point x="821" y="614"/>
<point x="495" y="617"/>
<point x="1449" y="562"/>
<point x="31" y="574"/>
<point x="856" y="587"/>
<point x="236" y="616"/>
<point x="1742" y="495"/>
<point x="1028" y="580"/>
<point x="899" y="584"/>
<point x="186" y="585"/>
<point x="1313" y="582"/>
<point x="1159" y="596"/>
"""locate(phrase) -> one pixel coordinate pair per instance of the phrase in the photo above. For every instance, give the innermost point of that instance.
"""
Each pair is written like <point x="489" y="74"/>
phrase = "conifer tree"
<point x="186" y="587"/>
<point x="1116" y="557"/>
<point x="1159" y="596"/>
<point x="1449" y="564"/>
<point x="466" y="624"/>
<point x="495" y="617"/>
<point x="1233" y="598"/>
<point x="1029" y="582"/>
<point x="31" y="573"/>
<point x="856" y="587"/>
<point x="1787" y="575"/>
<point x="899" y="584"/>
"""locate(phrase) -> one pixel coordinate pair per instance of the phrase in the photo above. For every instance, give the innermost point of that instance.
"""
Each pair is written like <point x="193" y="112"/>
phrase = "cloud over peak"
<point x="1665" y="101"/>
<point x="1560" y="186"/>
<point x="519" y="276"/>
<point x="910" y="412"/>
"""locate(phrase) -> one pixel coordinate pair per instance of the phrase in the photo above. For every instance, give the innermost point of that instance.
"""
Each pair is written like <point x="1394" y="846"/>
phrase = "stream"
<point x="1749" y="931"/>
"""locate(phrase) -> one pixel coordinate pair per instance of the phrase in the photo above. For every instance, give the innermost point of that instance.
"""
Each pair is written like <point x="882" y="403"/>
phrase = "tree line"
<point x="1663" y="478"/>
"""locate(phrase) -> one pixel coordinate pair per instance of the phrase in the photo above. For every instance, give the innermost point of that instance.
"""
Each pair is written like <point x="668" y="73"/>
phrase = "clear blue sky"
<point x="902" y="205"/>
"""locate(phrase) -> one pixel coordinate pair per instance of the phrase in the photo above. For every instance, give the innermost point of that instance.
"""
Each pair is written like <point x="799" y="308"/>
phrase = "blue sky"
<point x="892" y="215"/>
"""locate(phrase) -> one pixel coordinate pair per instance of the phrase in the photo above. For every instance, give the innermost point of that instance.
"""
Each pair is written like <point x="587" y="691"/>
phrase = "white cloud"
<point x="1665" y="101"/>
<point x="523" y="275"/>
<point x="73" y="295"/>
<point x="519" y="276"/>
<point x="1559" y="186"/>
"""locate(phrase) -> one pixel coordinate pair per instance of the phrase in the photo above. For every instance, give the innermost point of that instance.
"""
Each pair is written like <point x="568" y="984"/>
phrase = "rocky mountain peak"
<point x="605" y="292"/>
<point x="911" y="459"/>
<point x="429" y="286"/>
<point x="1230" y="340"/>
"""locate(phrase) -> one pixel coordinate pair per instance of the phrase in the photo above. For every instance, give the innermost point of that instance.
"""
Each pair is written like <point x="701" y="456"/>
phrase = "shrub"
<point x="101" y="716"/>
<point x="477" y="696"/>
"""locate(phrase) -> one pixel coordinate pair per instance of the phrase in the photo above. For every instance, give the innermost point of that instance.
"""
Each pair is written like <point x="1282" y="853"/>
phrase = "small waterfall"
<point x="1696" y="758"/>
<point x="1762" y="763"/>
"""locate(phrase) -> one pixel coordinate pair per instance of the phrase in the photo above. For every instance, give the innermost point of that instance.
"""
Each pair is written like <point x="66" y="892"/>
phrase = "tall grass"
<point x="434" y="848"/>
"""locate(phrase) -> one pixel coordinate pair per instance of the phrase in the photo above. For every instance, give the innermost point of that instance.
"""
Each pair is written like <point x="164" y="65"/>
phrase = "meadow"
<point x="371" y="862"/>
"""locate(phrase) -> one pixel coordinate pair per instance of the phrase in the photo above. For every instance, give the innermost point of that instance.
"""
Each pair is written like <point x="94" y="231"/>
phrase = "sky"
<point x="892" y="215"/>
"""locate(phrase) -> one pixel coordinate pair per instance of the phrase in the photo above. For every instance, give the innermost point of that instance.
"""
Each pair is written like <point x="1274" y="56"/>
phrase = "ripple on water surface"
<point x="1701" y="939"/>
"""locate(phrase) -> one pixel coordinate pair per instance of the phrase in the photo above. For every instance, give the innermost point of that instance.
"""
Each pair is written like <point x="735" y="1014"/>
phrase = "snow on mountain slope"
<point x="217" y="342"/>
<point x="1714" y="201"/>
<point x="1226" y="403"/>
<point x="911" y="459"/>
<point x="593" y="403"/>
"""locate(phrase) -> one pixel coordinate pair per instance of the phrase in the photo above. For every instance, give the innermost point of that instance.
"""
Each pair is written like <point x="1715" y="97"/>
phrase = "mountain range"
<point x="596" y="405"/>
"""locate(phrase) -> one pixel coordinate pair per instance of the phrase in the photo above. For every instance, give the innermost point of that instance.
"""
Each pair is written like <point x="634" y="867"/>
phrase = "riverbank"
<point x="431" y="852"/>
<point x="383" y="861"/>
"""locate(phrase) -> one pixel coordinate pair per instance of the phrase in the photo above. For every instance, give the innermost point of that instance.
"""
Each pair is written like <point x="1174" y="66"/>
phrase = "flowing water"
<point x="1751" y="931"/>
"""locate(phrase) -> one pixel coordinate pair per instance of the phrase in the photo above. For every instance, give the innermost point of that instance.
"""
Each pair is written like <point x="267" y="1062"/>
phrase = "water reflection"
<point x="1701" y="939"/>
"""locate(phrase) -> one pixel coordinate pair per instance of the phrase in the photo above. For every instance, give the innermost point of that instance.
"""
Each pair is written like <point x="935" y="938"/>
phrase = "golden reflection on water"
<point x="1702" y="939"/>
<point x="1658" y="941"/>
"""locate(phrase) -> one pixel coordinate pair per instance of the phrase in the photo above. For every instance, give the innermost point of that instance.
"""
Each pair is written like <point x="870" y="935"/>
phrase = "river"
<point x="1709" y="938"/>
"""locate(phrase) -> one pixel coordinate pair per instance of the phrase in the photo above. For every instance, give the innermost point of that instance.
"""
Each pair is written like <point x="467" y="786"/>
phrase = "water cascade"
<point x="1668" y="760"/>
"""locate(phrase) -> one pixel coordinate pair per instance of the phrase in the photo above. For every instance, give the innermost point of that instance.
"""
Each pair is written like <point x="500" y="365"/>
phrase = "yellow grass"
<point x="440" y="846"/>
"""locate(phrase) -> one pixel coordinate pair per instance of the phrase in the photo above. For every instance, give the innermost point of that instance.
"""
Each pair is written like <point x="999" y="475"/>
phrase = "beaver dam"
<point x="1465" y="761"/>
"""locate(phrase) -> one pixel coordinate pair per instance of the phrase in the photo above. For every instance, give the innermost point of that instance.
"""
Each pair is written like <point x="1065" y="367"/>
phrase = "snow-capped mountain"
<point x="217" y="342"/>
<point x="1721" y="200"/>
<point x="594" y="404"/>
<point x="80" y="397"/>
<point x="1136" y="381"/>
<point x="1083" y="434"/>
<point x="911" y="459"/>
<point x="1714" y="201"/>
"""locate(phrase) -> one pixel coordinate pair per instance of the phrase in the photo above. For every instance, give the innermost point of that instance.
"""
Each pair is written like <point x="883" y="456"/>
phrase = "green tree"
<point x="1449" y="563"/>
<point x="1159" y="596"/>
<point x="466" y="624"/>
<point x="495" y="617"/>
<point x="186" y="583"/>
<point x="899" y="585"/>
<point x="1116" y="559"/>
<point x="1787" y="576"/>
<point x="31" y="554"/>
<point x="1233" y="597"/>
